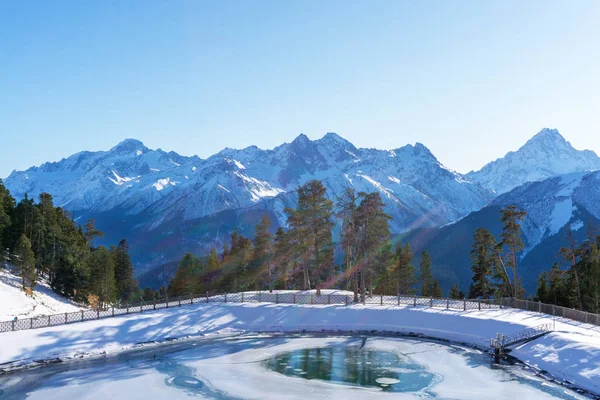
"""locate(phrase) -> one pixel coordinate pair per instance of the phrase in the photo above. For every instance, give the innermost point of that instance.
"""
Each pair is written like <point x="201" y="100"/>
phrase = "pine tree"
<point x="211" y="275"/>
<point x="590" y="290"/>
<point x="25" y="262"/>
<point x="404" y="272"/>
<point x="456" y="293"/>
<point x="556" y="287"/>
<point x="571" y="255"/>
<point x="425" y="275"/>
<point x="435" y="291"/>
<point x="187" y="277"/>
<point x="384" y="263"/>
<point x="235" y="271"/>
<point x="6" y="209"/>
<point x="148" y="294"/>
<point x="262" y="256"/>
<point x="373" y="235"/>
<point x="125" y="282"/>
<point x="542" y="289"/>
<point x="102" y="276"/>
<point x="91" y="232"/>
<point x="347" y="212"/>
<point x="510" y="238"/>
<point x="282" y="259"/>
<point x="311" y="223"/>
<point x="484" y="259"/>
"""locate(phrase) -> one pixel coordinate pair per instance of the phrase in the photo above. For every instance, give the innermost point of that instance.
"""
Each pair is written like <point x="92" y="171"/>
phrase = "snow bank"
<point x="570" y="353"/>
<point x="14" y="301"/>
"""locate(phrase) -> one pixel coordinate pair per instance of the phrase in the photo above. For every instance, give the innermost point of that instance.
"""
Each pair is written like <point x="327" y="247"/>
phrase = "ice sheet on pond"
<point x="239" y="369"/>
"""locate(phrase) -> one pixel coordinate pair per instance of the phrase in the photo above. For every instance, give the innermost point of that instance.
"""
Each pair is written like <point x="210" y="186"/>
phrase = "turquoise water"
<point x="355" y="366"/>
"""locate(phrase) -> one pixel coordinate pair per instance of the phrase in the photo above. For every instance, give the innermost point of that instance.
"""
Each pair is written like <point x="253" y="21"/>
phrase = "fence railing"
<point x="296" y="298"/>
<point x="501" y="341"/>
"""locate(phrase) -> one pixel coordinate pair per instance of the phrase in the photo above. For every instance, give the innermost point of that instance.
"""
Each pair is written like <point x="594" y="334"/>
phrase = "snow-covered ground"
<point x="15" y="303"/>
<point x="570" y="353"/>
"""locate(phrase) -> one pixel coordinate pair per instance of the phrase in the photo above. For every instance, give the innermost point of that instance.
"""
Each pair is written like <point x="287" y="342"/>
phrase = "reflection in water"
<point x="355" y="366"/>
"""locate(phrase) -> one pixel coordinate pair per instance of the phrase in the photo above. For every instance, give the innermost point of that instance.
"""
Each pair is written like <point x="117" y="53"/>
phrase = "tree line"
<point x="44" y="241"/>
<point x="302" y="257"/>
<point x="578" y="285"/>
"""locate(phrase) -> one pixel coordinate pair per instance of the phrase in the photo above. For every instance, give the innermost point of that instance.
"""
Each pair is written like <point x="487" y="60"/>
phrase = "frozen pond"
<point x="286" y="367"/>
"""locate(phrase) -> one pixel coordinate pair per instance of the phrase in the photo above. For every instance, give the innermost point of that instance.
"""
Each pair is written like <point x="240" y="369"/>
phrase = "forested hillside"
<point x="42" y="240"/>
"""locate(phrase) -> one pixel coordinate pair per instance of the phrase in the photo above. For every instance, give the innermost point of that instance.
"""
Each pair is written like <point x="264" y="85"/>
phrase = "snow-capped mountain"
<point x="546" y="154"/>
<point x="133" y="179"/>
<point x="129" y="176"/>
<point x="553" y="206"/>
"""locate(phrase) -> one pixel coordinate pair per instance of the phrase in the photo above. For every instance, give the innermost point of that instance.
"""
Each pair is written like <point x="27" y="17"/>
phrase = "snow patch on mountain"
<point x="552" y="204"/>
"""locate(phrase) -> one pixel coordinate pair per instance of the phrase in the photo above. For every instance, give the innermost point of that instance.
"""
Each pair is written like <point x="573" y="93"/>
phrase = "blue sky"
<point x="469" y="79"/>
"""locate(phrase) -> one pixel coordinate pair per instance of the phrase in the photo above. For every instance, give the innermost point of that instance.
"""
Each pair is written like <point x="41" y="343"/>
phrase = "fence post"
<point x="192" y="299"/>
<point x="415" y="301"/>
<point x="398" y="298"/>
<point x="13" y="324"/>
<point x="479" y="304"/>
<point x="539" y="306"/>
<point x="329" y="298"/>
<point x="49" y="321"/>
<point x="141" y="307"/>
<point x="113" y="310"/>
<point x="381" y="303"/>
<point x="97" y="314"/>
<point x="346" y="299"/>
<point x="225" y="297"/>
<point x="30" y="323"/>
<point x="242" y="297"/>
<point x="259" y="296"/>
<point x="276" y="298"/>
<point x="127" y="309"/>
<point x="430" y="302"/>
<point x="82" y="315"/>
<point x="179" y="299"/>
<point x="154" y="304"/>
<point x="294" y="298"/>
<point x="448" y="303"/>
<point x="66" y="318"/>
<point x="464" y="304"/>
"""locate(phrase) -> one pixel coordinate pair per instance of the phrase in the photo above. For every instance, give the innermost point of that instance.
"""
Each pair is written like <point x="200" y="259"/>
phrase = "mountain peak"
<point x="301" y="139"/>
<point x="129" y="146"/>
<point x="547" y="135"/>
<point x="545" y="155"/>
<point x="335" y="140"/>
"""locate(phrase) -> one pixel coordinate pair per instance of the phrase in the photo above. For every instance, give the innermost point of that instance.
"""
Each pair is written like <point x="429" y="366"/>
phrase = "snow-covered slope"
<point x="571" y="352"/>
<point x="555" y="202"/>
<point x="132" y="178"/>
<point x="545" y="155"/>
<point x="15" y="303"/>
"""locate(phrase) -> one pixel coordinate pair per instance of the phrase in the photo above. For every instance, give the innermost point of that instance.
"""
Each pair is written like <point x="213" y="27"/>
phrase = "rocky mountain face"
<point x="545" y="155"/>
<point x="152" y="188"/>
